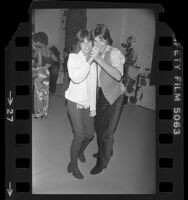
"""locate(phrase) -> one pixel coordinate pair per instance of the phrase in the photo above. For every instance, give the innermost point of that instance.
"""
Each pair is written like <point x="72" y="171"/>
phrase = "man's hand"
<point x="95" y="51"/>
<point x="93" y="54"/>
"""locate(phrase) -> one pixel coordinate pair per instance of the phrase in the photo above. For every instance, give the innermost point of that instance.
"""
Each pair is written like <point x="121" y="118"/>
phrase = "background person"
<point x="41" y="74"/>
<point x="66" y="79"/>
<point x="54" y="69"/>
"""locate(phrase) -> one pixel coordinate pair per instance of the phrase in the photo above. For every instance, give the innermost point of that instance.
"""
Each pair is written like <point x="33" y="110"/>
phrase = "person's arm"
<point x="49" y="55"/>
<point x="54" y="57"/>
<point x="78" y="70"/>
<point x="39" y="57"/>
<point x="115" y="69"/>
<point x="112" y="71"/>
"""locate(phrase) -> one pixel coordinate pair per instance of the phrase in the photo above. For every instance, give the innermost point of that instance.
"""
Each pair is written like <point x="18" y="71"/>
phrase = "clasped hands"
<point x="94" y="54"/>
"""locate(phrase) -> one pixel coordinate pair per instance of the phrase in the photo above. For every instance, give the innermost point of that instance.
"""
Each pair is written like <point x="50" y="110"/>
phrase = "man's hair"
<point x="103" y="32"/>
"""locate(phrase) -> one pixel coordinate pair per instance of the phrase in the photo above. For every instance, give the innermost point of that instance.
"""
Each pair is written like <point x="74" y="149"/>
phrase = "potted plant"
<point x="131" y="68"/>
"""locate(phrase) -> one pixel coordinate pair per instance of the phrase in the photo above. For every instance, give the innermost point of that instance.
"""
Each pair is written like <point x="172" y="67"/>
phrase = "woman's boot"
<point x="75" y="149"/>
<point x="83" y="147"/>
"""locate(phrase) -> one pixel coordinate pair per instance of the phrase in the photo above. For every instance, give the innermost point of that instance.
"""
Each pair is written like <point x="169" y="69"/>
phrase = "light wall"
<point x="140" y="23"/>
<point x="121" y="22"/>
<point x="51" y="22"/>
<point x="125" y="22"/>
<point x="110" y="17"/>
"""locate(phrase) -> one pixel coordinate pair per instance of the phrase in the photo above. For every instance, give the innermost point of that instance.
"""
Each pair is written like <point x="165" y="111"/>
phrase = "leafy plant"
<point x="130" y="55"/>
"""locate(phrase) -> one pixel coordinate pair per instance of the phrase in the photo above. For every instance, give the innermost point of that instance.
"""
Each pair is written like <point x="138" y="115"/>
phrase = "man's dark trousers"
<point x="106" y="122"/>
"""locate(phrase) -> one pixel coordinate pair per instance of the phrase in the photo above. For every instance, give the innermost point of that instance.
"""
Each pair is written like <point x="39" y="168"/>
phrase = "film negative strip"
<point x="30" y="150"/>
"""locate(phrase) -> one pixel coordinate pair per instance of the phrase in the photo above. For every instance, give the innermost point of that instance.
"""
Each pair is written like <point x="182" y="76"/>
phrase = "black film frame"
<point x="167" y="56"/>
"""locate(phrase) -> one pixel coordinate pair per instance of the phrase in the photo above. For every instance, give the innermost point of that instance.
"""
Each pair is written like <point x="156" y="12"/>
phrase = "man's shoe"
<point x="96" y="170"/>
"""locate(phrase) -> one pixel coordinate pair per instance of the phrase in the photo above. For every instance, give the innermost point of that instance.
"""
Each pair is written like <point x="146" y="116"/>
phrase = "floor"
<point x="130" y="171"/>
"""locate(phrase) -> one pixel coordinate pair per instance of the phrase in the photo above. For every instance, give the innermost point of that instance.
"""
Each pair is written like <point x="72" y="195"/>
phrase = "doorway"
<point x="76" y="19"/>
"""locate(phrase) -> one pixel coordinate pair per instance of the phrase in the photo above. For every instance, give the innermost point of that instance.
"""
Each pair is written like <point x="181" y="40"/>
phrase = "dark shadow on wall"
<point x="76" y="19"/>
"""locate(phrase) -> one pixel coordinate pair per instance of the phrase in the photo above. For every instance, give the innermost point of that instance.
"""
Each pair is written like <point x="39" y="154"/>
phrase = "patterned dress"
<point x="41" y="89"/>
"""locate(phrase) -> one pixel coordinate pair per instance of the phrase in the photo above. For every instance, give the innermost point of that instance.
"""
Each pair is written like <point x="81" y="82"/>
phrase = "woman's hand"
<point x="94" y="54"/>
<point x="46" y="66"/>
<point x="95" y="51"/>
<point x="54" y="58"/>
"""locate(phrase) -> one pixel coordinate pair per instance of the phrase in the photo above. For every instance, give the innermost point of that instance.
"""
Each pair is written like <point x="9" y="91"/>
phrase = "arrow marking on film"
<point x="10" y="190"/>
<point x="10" y="99"/>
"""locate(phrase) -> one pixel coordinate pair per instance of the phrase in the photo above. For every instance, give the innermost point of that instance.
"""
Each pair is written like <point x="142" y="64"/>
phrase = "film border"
<point x="167" y="56"/>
